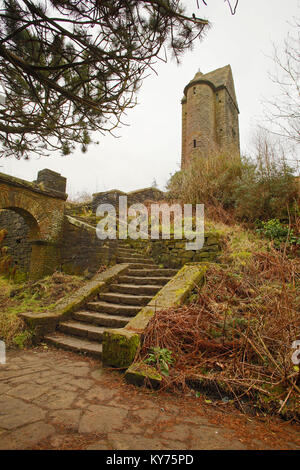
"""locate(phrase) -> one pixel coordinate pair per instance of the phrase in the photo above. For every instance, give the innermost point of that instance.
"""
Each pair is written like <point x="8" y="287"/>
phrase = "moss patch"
<point x="143" y="374"/>
<point x="119" y="347"/>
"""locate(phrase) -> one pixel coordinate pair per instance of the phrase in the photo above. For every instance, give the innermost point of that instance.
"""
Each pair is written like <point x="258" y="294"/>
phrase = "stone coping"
<point x="130" y="193"/>
<point x="45" y="322"/>
<point x="111" y="191"/>
<point x="120" y="345"/>
<point x="137" y="191"/>
<point x="18" y="182"/>
<point x="80" y="224"/>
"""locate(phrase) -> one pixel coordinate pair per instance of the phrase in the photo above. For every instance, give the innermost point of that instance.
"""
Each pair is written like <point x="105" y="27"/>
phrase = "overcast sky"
<point x="150" y="147"/>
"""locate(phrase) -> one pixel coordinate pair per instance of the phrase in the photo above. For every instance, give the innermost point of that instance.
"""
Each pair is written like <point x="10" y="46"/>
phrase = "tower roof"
<point x="219" y="78"/>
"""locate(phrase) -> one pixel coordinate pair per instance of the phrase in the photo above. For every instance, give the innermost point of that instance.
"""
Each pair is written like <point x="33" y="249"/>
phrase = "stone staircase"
<point x="112" y="309"/>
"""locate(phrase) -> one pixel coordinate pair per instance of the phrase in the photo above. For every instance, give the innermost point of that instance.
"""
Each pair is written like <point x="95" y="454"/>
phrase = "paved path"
<point x="51" y="399"/>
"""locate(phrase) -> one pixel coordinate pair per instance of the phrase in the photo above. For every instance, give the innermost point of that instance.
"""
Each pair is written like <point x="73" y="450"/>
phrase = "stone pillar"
<point x="49" y="179"/>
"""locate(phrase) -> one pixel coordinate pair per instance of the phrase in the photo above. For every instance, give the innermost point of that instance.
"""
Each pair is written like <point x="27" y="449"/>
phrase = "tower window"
<point x="195" y="143"/>
<point x="194" y="90"/>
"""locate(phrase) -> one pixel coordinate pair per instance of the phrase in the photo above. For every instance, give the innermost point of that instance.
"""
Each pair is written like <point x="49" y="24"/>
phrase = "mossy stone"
<point x="143" y="374"/>
<point x="119" y="347"/>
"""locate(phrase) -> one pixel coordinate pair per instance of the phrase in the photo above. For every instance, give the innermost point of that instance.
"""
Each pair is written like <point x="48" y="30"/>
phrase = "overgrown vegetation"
<point x="6" y="258"/>
<point x="236" y="334"/>
<point x="161" y="358"/>
<point x="281" y="234"/>
<point x="31" y="296"/>
<point x="247" y="189"/>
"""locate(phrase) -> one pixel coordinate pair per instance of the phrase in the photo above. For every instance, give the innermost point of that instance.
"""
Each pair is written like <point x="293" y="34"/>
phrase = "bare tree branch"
<point x="282" y="111"/>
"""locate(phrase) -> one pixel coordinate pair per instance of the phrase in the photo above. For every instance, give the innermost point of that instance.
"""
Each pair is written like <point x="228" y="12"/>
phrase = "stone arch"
<point x="43" y="211"/>
<point x="30" y="208"/>
<point x="31" y="222"/>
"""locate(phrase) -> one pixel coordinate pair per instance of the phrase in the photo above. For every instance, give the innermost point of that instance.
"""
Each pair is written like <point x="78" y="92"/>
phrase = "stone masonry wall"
<point x="16" y="239"/>
<point x="133" y="197"/>
<point x="173" y="254"/>
<point x="82" y="251"/>
<point x="141" y="195"/>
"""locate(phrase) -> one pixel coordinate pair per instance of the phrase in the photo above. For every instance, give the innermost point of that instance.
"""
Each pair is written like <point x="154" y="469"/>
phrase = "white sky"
<point x="151" y="146"/>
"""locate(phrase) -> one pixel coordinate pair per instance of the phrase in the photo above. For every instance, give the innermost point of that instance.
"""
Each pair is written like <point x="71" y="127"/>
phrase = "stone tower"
<point x="210" y="112"/>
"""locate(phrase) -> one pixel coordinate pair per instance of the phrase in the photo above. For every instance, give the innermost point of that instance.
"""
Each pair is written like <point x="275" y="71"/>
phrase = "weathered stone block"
<point x="119" y="347"/>
<point x="143" y="374"/>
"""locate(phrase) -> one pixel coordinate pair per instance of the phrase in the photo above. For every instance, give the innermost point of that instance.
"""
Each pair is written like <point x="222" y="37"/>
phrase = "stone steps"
<point x="114" y="309"/>
<point x="126" y="296"/>
<point x="138" y="280"/>
<point x="127" y="252"/>
<point x="91" y="332"/>
<point x="72" y="343"/>
<point x="135" y="260"/>
<point x="104" y="319"/>
<point x="133" y="271"/>
<point x="135" y="289"/>
<point x="127" y="299"/>
<point x="131" y="255"/>
<point x="134" y="265"/>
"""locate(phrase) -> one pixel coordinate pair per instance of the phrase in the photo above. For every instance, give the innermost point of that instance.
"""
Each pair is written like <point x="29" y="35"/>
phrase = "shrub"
<point x="264" y="189"/>
<point x="207" y="181"/>
<point x="278" y="232"/>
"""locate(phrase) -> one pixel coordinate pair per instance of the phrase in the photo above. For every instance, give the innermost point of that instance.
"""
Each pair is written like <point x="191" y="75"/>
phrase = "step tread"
<point x="152" y="270"/>
<point x="99" y="315"/>
<point x="74" y="343"/>
<point x="148" y="277"/>
<point x="135" y="285"/>
<point x="125" y="296"/>
<point x="101" y="319"/>
<point x="135" y="259"/>
<point x="109" y="305"/>
<point x="152" y="278"/>
<point x="83" y="326"/>
<point x="134" y="265"/>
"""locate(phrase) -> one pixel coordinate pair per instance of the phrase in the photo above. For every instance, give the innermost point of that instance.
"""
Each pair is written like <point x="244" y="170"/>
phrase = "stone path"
<point x="53" y="399"/>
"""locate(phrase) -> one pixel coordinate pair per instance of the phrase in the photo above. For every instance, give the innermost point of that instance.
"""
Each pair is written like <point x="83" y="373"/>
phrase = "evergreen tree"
<point x="70" y="67"/>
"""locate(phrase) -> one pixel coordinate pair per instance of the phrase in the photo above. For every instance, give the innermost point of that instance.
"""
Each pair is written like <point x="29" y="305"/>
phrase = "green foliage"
<point x="6" y="259"/>
<point x="22" y="339"/>
<point x="264" y="191"/>
<point x="278" y="232"/>
<point x="261" y="189"/>
<point x="37" y="297"/>
<point x="160" y="357"/>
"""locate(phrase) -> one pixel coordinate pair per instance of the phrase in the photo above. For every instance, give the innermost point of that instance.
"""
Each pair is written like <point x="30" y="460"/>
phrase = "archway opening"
<point x="21" y="229"/>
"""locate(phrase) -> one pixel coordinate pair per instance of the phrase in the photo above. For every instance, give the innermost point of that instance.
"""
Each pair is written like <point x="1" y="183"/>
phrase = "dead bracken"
<point x="235" y="336"/>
